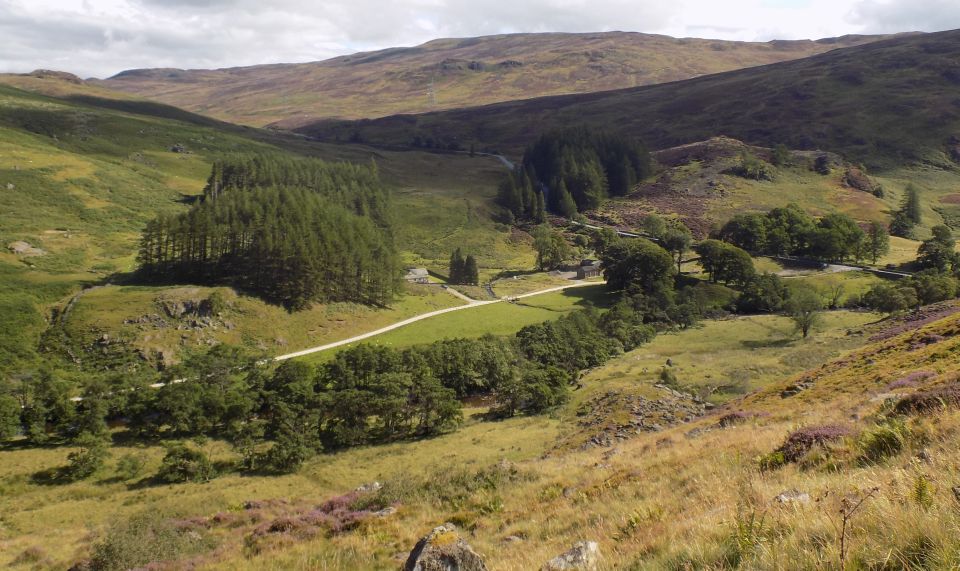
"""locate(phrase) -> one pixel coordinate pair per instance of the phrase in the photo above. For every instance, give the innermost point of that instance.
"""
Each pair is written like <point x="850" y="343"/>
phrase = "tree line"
<point x="938" y="278"/>
<point x="294" y="231"/>
<point x="277" y="417"/>
<point x="569" y="171"/>
<point x="792" y="231"/>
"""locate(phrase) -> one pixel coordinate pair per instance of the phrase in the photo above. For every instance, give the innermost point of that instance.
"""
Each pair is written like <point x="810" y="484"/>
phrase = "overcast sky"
<point x="102" y="37"/>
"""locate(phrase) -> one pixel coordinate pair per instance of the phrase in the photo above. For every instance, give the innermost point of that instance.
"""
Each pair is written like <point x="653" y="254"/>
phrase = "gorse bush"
<point x="772" y="461"/>
<point x="751" y="167"/>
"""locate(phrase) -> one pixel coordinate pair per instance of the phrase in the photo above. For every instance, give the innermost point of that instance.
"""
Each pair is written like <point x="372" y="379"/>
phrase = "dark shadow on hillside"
<point x="767" y="343"/>
<point x="592" y="296"/>
<point x="147" y="108"/>
<point x="189" y="199"/>
<point x="55" y="476"/>
<point x="23" y="444"/>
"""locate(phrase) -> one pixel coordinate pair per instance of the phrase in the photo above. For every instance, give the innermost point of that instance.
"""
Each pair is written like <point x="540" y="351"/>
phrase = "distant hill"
<point x="454" y="73"/>
<point x="883" y="103"/>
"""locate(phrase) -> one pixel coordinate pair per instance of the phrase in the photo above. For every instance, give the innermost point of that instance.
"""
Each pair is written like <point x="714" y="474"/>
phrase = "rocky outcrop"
<point x="856" y="178"/>
<point x="796" y="388"/>
<point x="615" y="416"/>
<point x="178" y="309"/>
<point x="583" y="556"/>
<point x="443" y="550"/>
<point x="24" y="249"/>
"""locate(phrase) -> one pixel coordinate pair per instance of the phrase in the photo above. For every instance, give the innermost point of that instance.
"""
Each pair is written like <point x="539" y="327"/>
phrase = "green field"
<point x="502" y="318"/>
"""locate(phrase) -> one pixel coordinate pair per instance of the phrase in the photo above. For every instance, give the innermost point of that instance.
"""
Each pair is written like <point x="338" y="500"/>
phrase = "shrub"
<point x="925" y="402"/>
<point x="804" y="440"/>
<point x="185" y="464"/>
<point x="336" y="515"/>
<point x="143" y="539"/>
<point x="752" y="167"/>
<point x="668" y="377"/>
<point x="910" y="380"/>
<point x="882" y="441"/>
<point x="129" y="466"/>
<point x="287" y="454"/>
<point x="772" y="461"/>
<point x="82" y="463"/>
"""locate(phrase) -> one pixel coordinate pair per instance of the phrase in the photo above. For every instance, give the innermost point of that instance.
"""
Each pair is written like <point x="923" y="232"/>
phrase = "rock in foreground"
<point x="583" y="556"/>
<point x="443" y="550"/>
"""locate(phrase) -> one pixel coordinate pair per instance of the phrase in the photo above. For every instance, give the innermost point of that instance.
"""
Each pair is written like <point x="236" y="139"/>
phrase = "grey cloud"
<point x="906" y="15"/>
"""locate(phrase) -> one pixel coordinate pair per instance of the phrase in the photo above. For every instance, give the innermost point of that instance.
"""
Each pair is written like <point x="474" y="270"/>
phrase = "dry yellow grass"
<point x="681" y="498"/>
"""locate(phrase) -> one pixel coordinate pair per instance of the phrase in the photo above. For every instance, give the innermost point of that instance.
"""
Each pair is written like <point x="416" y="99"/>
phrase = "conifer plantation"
<point x="567" y="172"/>
<point x="294" y="231"/>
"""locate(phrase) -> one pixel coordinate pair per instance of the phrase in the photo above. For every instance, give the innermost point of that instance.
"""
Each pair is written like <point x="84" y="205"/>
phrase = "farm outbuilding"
<point x="417" y="276"/>
<point x="588" y="269"/>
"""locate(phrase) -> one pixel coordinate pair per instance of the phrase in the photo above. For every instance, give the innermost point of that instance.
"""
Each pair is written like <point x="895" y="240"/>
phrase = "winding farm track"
<point x="472" y="304"/>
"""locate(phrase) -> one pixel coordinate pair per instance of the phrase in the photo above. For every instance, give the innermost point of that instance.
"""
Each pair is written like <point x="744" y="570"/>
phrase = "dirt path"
<point x="456" y="293"/>
<point x="421" y="317"/>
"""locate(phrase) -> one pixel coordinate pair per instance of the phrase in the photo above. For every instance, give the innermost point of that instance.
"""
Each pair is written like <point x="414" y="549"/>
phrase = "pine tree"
<point x="878" y="241"/>
<point x="457" y="264"/>
<point x="471" y="274"/>
<point x="911" y="204"/>
<point x="540" y="213"/>
<point x="566" y="206"/>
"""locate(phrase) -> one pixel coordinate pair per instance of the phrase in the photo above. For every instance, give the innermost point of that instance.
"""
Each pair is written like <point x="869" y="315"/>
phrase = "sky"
<point x="98" y="38"/>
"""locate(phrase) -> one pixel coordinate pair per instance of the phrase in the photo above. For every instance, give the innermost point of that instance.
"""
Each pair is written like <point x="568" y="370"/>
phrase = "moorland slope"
<point x="454" y="73"/>
<point x="884" y="103"/>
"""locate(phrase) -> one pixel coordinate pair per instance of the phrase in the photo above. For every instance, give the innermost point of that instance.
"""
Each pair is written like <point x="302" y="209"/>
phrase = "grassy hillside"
<point x="696" y="183"/>
<point x="453" y="73"/>
<point x="883" y="103"/>
<point x="78" y="184"/>
<point x="82" y="170"/>
<point x="684" y="495"/>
